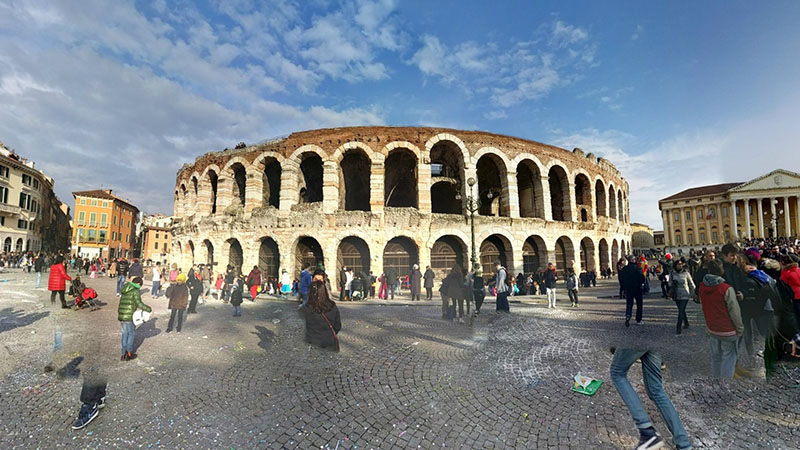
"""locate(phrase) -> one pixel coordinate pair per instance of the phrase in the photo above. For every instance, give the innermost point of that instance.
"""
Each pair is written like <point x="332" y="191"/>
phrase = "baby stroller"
<point x="84" y="296"/>
<point x="356" y="289"/>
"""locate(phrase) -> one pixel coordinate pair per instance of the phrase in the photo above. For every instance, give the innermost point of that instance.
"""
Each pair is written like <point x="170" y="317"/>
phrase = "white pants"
<point x="551" y="297"/>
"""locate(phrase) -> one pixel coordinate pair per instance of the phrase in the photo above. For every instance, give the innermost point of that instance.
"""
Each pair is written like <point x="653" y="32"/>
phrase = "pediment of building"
<point x="777" y="180"/>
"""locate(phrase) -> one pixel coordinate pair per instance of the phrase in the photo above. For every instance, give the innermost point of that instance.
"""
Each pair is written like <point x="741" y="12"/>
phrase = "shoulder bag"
<point x="335" y="338"/>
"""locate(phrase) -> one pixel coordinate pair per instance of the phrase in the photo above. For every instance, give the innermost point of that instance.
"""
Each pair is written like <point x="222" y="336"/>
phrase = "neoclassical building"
<point x="766" y="206"/>
<point x="379" y="197"/>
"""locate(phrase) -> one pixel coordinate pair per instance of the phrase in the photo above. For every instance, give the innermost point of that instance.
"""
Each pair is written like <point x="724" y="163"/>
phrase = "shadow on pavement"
<point x="265" y="337"/>
<point x="10" y="319"/>
<point x="70" y="369"/>
<point x="146" y="330"/>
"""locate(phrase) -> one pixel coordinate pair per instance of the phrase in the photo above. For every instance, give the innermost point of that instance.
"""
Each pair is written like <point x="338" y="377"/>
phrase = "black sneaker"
<point x="124" y="357"/>
<point x="102" y="403"/>
<point x="87" y="414"/>
<point x="649" y="443"/>
<point x="686" y="325"/>
<point x="627" y="321"/>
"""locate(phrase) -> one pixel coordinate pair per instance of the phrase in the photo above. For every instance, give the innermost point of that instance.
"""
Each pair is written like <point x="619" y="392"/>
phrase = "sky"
<point x="676" y="94"/>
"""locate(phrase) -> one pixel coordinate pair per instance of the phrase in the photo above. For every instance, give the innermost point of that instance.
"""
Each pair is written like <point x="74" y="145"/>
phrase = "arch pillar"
<point x="203" y="204"/>
<point x="513" y="195"/>
<point x="289" y="195"/>
<point x="424" y="185"/>
<point x="224" y="192"/>
<point x="249" y="254"/>
<point x="572" y="206"/>
<point x="330" y="187"/>
<point x="593" y="206"/>
<point x="376" y="192"/>
<point x="548" y="207"/>
<point x="253" y="191"/>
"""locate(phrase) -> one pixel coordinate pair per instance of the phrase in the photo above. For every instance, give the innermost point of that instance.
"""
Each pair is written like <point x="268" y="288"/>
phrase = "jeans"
<point x="156" y="288"/>
<point x="128" y="335"/>
<point x="237" y="310"/>
<point x="573" y="295"/>
<point x="120" y="283"/>
<point x="724" y="352"/>
<point x="551" y="297"/>
<point x="502" y="302"/>
<point x="393" y="288"/>
<point x="38" y="280"/>
<point x="682" y="320"/>
<point x="304" y="298"/>
<point x="176" y="313"/>
<point x="629" y="297"/>
<point x="651" y="372"/>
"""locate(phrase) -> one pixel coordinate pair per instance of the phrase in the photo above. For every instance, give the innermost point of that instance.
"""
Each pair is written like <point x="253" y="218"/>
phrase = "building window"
<point x="82" y="218"/>
<point x="712" y="213"/>
<point x="156" y="246"/>
<point x="750" y="210"/>
<point x="690" y="238"/>
<point x="738" y="211"/>
<point x="83" y="201"/>
<point x="103" y="220"/>
<point x="94" y="202"/>
<point x="678" y="239"/>
<point x="2" y="220"/>
<point x="81" y="234"/>
<point x="702" y="236"/>
<point x="23" y="224"/>
<point x="724" y="211"/>
<point x="3" y="194"/>
<point x="24" y="200"/>
<point x="156" y="234"/>
<point x="115" y="220"/>
<point x="103" y="236"/>
<point x="677" y="217"/>
<point x="36" y="184"/>
<point x="27" y="179"/>
<point x="688" y="215"/>
<point x="714" y="236"/>
<point x="700" y="213"/>
<point x="105" y="204"/>
<point x="92" y="219"/>
<point x="91" y="235"/>
<point x="4" y="171"/>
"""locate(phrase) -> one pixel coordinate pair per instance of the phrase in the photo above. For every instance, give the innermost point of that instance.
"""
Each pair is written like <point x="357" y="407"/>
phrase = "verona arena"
<point x="379" y="197"/>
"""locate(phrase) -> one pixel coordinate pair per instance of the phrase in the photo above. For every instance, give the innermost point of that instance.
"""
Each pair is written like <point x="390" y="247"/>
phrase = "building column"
<point x="797" y="212"/>
<point x="720" y="224"/>
<point x="330" y="187"/>
<point x="733" y="220"/>
<point x="665" y="221"/>
<point x="546" y="203"/>
<point x="747" y="218"/>
<point x="424" y="188"/>
<point x="572" y="205"/>
<point x="786" y="217"/>
<point x="696" y="232"/>
<point x="760" y="217"/>
<point x="670" y="214"/>
<point x="513" y="195"/>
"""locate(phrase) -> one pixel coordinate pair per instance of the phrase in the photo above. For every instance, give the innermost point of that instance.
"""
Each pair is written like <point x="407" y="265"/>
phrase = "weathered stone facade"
<point x="376" y="197"/>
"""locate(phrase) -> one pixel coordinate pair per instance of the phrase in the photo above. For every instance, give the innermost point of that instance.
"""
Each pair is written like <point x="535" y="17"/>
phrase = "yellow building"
<point x="104" y="225"/>
<point x="768" y="206"/>
<point x="156" y="238"/>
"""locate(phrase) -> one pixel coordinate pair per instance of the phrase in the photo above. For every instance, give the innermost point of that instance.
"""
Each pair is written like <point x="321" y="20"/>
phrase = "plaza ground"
<point x="404" y="378"/>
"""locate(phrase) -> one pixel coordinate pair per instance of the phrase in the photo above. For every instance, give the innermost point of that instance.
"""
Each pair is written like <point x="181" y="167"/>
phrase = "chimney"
<point x="108" y="191"/>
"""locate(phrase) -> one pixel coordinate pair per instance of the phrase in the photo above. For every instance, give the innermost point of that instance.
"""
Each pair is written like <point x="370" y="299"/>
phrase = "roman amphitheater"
<point x="378" y="197"/>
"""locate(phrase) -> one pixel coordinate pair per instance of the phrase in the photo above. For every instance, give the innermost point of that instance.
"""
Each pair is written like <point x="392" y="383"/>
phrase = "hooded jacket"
<point x="791" y="276"/>
<point x="682" y="285"/>
<point x="720" y="307"/>
<point x="130" y="301"/>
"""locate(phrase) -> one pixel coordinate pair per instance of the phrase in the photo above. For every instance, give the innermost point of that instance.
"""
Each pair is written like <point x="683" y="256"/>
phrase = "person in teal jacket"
<point x="129" y="301"/>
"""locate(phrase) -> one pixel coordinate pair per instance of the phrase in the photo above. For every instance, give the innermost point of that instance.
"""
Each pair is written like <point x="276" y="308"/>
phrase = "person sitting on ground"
<point x="321" y="314"/>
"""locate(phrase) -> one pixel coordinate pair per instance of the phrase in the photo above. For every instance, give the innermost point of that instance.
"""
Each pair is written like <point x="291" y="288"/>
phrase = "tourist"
<point x="286" y="284"/>
<point x="631" y="280"/>
<point x="572" y="287"/>
<point x="757" y="289"/>
<point x="452" y="291"/>
<point x="723" y="319"/>
<point x="382" y="292"/>
<point x="343" y="283"/>
<point x="305" y="283"/>
<point x="155" y="291"/>
<point x="57" y="282"/>
<point x="253" y="282"/>
<point x="112" y="269"/>
<point x="372" y="280"/>
<point x="391" y="281"/>
<point x="129" y="302"/>
<point x="235" y="289"/>
<point x="173" y="274"/>
<point x="218" y="284"/>
<point x="348" y="284"/>
<point x="501" y="284"/>
<point x="38" y="267"/>
<point x="478" y="290"/>
<point x="621" y="265"/>
<point x="429" y="276"/>
<point x="178" y="295"/>
<point x="195" y="286"/>
<point x="93" y="399"/>
<point x="122" y="274"/>
<point x="683" y="289"/>
<point x="136" y="269"/>
<point x="791" y="276"/>
<point x="550" y="277"/>
<point x="651" y="373"/>
<point x="416" y="283"/>
<point x="323" y="321"/>
<point x="230" y="276"/>
<point x="702" y="270"/>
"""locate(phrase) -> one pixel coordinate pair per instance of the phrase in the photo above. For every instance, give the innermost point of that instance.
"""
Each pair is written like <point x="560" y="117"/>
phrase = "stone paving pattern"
<point x="404" y="378"/>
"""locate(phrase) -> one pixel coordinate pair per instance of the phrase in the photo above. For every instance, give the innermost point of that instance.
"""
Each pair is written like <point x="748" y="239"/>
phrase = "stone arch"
<point x="310" y="177"/>
<point x="207" y="252"/>
<point x="401" y="145"/>
<point x="400" y="253"/>
<point x="565" y="253"/>
<point x="340" y="152"/>
<point x="210" y="187"/>
<point x="269" y="257"/>
<point x="355" y="168"/>
<point x="353" y="252"/>
<point x="612" y="201"/>
<point x="194" y="191"/>
<point x="236" y="173"/>
<point x="269" y="167"/>
<point x="448" y="171"/>
<point x="447" y="137"/>
<point x="605" y="263"/>
<point x="401" y="178"/>
<point x="615" y="255"/>
<point x="534" y="254"/>
<point x="307" y="250"/>
<point x="583" y="196"/>
<point x="496" y="247"/>
<point x="235" y="254"/>
<point x="492" y="178"/>
<point x="7" y="245"/>
<point x="620" y="206"/>
<point x="587" y="254"/>
<point x="448" y="250"/>
<point x="559" y="193"/>
<point x="600" y="197"/>
<point x="189" y="251"/>
<point x="530" y="189"/>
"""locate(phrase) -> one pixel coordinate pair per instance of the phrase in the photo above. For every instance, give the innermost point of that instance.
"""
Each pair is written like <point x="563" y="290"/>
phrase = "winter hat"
<point x="771" y="264"/>
<point x="181" y="278"/>
<point x="668" y="256"/>
<point x="752" y="253"/>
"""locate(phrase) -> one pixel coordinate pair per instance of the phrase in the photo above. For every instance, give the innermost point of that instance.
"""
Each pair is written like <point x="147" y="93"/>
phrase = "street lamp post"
<point x="473" y="205"/>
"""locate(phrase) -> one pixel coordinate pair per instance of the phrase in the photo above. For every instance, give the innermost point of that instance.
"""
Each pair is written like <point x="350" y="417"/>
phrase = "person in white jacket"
<point x="683" y="288"/>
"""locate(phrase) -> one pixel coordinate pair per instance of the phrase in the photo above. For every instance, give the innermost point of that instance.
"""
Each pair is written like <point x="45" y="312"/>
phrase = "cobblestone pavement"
<point x="404" y="378"/>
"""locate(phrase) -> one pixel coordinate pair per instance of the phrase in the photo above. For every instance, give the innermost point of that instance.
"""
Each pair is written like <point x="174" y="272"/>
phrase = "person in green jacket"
<point x="130" y="301"/>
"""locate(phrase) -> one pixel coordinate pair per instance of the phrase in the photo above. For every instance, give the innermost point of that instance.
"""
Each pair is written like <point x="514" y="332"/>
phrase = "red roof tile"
<point x="702" y="191"/>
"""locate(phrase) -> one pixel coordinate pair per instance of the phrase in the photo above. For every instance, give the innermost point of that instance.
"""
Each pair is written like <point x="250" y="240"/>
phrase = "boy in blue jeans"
<point x="651" y="372"/>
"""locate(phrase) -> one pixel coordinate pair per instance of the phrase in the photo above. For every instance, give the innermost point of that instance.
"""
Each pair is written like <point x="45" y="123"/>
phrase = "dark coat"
<point x="391" y="276"/>
<point x="454" y="285"/>
<point x="550" y="277"/>
<point x="178" y="295"/>
<point x="429" y="276"/>
<point x="236" y="293"/>
<point x="631" y="278"/>
<point x="416" y="282"/>
<point x="317" y="330"/>
<point x="136" y="270"/>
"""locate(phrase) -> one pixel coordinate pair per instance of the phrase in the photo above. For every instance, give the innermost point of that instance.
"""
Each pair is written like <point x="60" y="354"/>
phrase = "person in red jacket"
<point x="723" y="320"/>
<point x="791" y="276"/>
<point x="57" y="283"/>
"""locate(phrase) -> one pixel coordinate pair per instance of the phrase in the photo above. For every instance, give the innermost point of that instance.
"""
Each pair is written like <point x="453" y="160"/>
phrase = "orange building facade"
<point x="104" y="225"/>
<point x="156" y="244"/>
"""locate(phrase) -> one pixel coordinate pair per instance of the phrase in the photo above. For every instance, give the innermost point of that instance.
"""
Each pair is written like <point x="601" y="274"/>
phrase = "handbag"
<point x="335" y="337"/>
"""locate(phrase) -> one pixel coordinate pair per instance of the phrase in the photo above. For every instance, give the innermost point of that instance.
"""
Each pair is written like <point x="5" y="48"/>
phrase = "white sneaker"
<point x="460" y="320"/>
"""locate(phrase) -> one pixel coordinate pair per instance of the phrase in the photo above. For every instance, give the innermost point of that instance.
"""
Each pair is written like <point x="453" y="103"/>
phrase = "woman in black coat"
<point x="323" y="321"/>
<point x="195" y="289"/>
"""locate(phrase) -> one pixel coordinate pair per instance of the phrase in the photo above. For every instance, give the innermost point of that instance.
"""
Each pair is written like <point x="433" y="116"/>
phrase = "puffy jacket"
<point x="58" y="278"/>
<point x="791" y="276"/>
<point x="178" y="295"/>
<point x="720" y="307"/>
<point x="682" y="285"/>
<point x="122" y="268"/>
<point x="130" y="301"/>
<point x="305" y="282"/>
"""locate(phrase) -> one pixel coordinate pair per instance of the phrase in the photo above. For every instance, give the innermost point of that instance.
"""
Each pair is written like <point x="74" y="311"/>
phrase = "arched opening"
<point x="239" y="183"/>
<point x="311" y="178"/>
<point x="18" y="246"/>
<point x="559" y="194"/>
<point x="612" y="203"/>
<point x="268" y="258"/>
<point x="620" y="206"/>
<point x="28" y="245"/>
<point x="353" y="253"/>
<point x="534" y="254"/>
<point x="493" y="248"/>
<point x="445" y="198"/>
<point x="587" y="254"/>
<point x="531" y="195"/>
<point x="235" y="255"/>
<point x="603" y="247"/>
<point x="448" y="251"/>
<point x="600" y="198"/>
<point x="190" y="251"/>
<point x="7" y="245"/>
<point x="447" y="178"/>
<point x="492" y="182"/>
<point x="354" y="181"/>
<point x="308" y="251"/>
<point x="400" y="179"/>
<point x="212" y="180"/>
<point x="583" y="196"/>
<point x="183" y="194"/>
<point x="565" y="253"/>
<point x="209" y="247"/>
<point x="271" y="183"/>
<point x="399" y="254"/>
<point x="615" y="253"/>
<point x="194" y="187"/>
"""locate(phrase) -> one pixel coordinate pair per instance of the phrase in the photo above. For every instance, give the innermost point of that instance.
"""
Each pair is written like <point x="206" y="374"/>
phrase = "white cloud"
<point x="637" y="33"/>
<point x="563" y="35"/>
